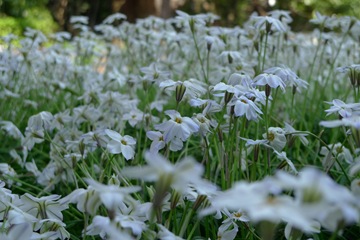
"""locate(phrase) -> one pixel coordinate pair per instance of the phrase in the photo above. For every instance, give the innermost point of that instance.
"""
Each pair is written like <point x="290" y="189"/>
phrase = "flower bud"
<point x="228" y="96"/>
<point x="180" y="91"/>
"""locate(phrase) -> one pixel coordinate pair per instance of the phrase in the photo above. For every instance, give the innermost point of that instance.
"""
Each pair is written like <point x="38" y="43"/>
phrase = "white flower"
<point x="193" y="87"/>
<point x="209" y="106"/>
<point x="222" y="87"/>
<point x="282" y="156"/>
<point x="269" y="23"/>
<point x="345" y="110"/>
<point x="157" y="138"/>
<point x="288" y="76"/>
<point x="177" y="127"/>
<point x="53" y="227"/>
<point x="228" y="230"/>
<point x="87" y="200"/>
<point x="133" y="117"/>
<point x="353" y="72"/>
<point x="269" y="79"/>
<point x="292" y="131"/>
<point x="121" y="144"/>
<point x="245" y="107"/>
<point x="276" y="138"/>
<point x="18" y="216"/>
<point x="337" y="151"/>
<point x="203" y="122"/>
<point x="43" y="207"/>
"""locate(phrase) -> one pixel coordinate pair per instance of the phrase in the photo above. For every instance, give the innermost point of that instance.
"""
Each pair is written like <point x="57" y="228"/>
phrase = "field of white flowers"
<point x="180" y="129"/>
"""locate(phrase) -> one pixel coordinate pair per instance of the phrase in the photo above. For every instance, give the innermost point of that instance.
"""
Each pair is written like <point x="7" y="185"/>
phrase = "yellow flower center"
<point x="202" y="120"/>
<point x="123" y="142"/>
<point x="271" y="137"/>
<point x="311" y="195"/>
<point x="339" y="149"/>
<point x="178" y="120"/>
<point x="237" y="215"/>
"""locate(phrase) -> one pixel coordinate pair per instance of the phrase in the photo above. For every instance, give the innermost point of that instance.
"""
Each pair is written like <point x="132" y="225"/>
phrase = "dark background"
<point x="54" y="15"/>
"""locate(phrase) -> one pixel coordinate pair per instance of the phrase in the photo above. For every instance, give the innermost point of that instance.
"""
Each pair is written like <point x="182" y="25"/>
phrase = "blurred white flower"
<point x="318" y="197"/>
<point x="111" y="195"/>
<point x="107" y="229"/>
<point x="8" y="173"/>
<point x="154" y="75"/>
<point x="268" y="23"/>
<point x="160" y="170"/>
<point x="165" y="234"/>
<point x="21" y="231"/>
<point x="114" y="17"/>
<point x="11" y="129"/>
<point x="353" y="121"/>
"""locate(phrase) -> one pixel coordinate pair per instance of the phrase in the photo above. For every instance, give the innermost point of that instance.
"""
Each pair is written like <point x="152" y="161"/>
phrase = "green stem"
<point x="264" y="55"/>
<point x="199" y="57"/>
<point x="186" y="222"/>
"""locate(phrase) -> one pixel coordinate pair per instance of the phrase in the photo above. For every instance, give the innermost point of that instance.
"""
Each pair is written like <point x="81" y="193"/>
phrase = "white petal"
<point x="127" y="151"/>
<point x="113" y="135"/>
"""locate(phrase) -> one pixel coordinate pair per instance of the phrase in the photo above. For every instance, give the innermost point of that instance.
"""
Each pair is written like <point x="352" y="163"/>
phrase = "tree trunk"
<point x="58" y="8"/>
<point x="166" y="10"/>
<point x="134" y="9"/>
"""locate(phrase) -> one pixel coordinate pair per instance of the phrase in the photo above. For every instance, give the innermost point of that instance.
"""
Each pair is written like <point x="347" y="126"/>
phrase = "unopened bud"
<point x="267" y="90"/>
<point x="180" y="91"/>
<point x="228" y="96"/>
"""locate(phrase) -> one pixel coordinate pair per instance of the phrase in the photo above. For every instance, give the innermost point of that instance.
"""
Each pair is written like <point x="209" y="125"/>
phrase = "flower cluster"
<point x="138" y="130"/>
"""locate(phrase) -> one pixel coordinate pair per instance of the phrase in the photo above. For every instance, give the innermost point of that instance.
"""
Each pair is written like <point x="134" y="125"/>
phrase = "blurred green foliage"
<point x="16" y="15"/>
